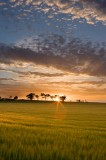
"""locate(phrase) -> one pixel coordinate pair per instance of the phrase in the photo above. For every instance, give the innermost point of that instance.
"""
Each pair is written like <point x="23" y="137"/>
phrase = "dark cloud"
<point x="100" y="5"/>
<point x="72" y="56"/>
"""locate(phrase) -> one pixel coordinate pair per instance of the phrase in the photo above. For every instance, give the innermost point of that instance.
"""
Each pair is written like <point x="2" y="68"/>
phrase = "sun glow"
<point x="57" y="99"/>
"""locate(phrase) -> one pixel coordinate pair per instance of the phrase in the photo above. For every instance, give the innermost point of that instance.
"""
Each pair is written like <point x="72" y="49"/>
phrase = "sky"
<point x="53" y="46"/>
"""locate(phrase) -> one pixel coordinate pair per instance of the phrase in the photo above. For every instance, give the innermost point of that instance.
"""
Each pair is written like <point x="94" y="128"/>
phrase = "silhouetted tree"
<point x="16" y="97"/>
<point x="37" y="97"/>
<point x="31" y="96"/>
<point x="62" y="98"/>
<point x="55" y="95"/>
<point x="43" y="95"/>
<point x="78" y="100"/>
<point x="10" y="97"/>
<point x="47" y="95"/>
<point x="52" y="98"/>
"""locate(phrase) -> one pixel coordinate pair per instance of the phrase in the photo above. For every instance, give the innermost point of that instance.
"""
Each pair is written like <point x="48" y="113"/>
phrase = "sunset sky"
<point x="53" y="46"/>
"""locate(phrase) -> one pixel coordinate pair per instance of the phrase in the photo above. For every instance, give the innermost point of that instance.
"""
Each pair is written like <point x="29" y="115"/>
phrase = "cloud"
<point x="98" y="83"/>
<point x="2" y="3"/>
<point x="35" y="74"/>
<point x="80" y="90"/>
<point x="6" y="79"/>
<point x="90" y="10"/>
<point x="72" y="56"/>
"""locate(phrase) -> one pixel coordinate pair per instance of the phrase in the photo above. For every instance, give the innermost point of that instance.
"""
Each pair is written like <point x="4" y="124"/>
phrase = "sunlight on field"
<point x="60" y="111"/>
<point x="52" y="131"/>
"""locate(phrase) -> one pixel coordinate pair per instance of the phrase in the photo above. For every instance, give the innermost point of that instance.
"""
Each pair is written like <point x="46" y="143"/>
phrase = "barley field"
<point x="52" y="131"/>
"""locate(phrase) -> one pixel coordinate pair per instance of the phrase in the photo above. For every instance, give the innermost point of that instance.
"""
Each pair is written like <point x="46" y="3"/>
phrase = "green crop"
<point x="52" y="131"/>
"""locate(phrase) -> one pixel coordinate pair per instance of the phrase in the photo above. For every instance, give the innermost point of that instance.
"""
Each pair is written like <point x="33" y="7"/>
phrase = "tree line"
<point x="32" y="96"/>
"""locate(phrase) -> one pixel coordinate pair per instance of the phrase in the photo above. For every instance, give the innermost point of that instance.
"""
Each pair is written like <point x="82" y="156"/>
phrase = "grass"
<point x="47" y="131"/>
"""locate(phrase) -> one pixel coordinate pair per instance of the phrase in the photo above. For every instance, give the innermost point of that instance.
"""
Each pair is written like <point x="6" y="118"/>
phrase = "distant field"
<point x="52" y="131"/>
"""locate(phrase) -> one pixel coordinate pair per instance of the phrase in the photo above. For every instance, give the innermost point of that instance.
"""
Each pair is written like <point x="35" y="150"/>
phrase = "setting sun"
<point x="57" y="99"/>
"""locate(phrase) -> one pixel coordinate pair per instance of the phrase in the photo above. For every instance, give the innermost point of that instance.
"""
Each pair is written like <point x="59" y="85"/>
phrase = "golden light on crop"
<point x="60" y="111"/>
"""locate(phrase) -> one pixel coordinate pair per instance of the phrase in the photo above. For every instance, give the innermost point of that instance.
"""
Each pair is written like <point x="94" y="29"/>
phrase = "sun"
<point x="57" y="99"/>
